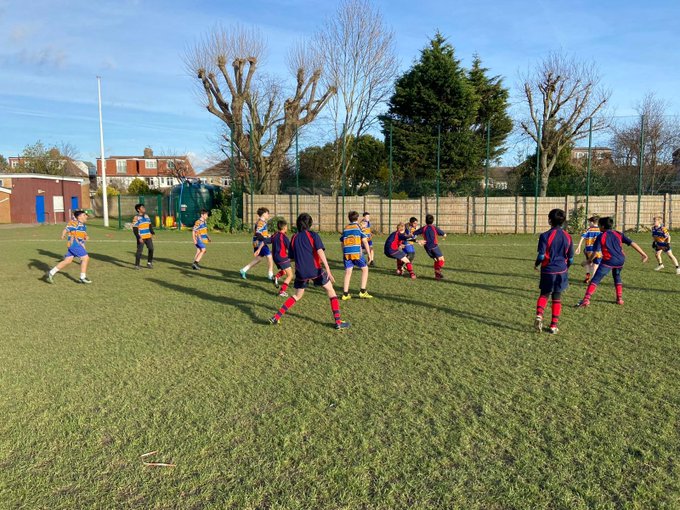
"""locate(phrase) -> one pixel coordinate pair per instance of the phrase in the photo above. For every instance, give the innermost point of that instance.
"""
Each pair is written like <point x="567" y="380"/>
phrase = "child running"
<point x="589" y="236"/>
<point x="430" y="232"/>
<point x="394" y="249"/>
<point x="143" y="230"/>
<point x="260" y="248"/>
<point x="352" y="240"/>
<point x="280" y="248"/>
<point x="555" y="256"/>
<point x="76" y="235"/>
<point x="609" y="248"/>
<point x="366" y="228"/>
<point x="200" y="237"/>
<point x="662" y="244"/>
<point x="307" y="250"/>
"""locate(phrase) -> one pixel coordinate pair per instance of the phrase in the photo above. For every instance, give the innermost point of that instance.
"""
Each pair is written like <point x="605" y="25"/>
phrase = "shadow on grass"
<point x="43" y="267"/>
<point x="111" y="260"/>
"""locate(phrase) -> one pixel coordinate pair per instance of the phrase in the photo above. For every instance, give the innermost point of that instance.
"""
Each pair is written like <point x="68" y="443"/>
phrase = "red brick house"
<point x="39" y="198"/>
<point x="157" y="171"/>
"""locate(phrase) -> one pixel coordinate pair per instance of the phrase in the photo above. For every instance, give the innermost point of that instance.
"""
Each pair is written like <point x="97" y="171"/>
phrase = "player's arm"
<point x="570" y="254"/>
<point x="642" y="253"/>
<point x="262" y="239"/>
<point x="153" y="232"/>
<point x="135" y="229"/>
<point x="64" y="232"/>
<point x="440" y="232"/>
<point x="542" y="245"/>
<point x="324" y="262"/>
<point x="580" y="243"/>
<point x="364" y="243"/>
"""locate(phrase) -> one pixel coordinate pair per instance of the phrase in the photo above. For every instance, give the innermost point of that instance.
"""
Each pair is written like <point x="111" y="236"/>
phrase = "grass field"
<point x="440" y="396"/>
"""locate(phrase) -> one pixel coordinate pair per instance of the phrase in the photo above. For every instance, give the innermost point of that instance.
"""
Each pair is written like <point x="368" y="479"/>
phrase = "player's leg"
<point x="440" y="264"/>
<point x="149" y="247"/>
<point x="288" y="272"/>
<point x="249" y="266"/>
<point x="61" y="265"/>
<point x="288" y="303"/>
<point x="659" y="261"/>
<point x="138" y="253"/>
<point x="335" y="306"/>
<point x="84" y="262"/>
<point x="363" y="292"/>
<point x="270" y="266"/>
<point x="601" y="272"/>
<point x="618" y="285"/>
<point x="199" y="255"/>
<point x="409" y="267"/>
<point x="349" y="266"/>
<point x="556" y="311"/>
<point x="674" y="260"/>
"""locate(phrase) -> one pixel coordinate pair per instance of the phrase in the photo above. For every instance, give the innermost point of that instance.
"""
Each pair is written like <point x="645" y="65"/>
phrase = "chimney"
<point x="148" y="153"/>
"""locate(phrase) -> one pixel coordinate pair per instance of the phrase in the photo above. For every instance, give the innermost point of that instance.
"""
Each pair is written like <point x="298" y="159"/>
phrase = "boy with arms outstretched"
<point x="76" y="234"/>
<point x="589" y="236"/>
<point x="662" y="244"/>
<point x="200" y="237"/>
<point x="353" y="240"/>
<point x="609" y="254"/>
<point x="555" y="256"/>
<point x="307" y="250"/>
<point x="430" y="232"/>
<point x="260" y="248"/>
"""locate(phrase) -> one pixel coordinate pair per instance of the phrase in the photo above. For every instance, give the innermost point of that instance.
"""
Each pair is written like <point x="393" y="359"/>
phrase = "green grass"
<point x="440" y="396"/>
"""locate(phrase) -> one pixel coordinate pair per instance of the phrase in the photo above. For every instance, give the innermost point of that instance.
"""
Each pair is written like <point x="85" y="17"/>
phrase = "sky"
<point x="51" y="52"/>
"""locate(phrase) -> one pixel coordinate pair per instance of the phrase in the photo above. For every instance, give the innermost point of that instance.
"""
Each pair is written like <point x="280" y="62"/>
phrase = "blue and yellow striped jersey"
<point x="201" y="229"/>
<point x="351" y="241"/>
<point x="366" y="229"/>
<point x="76" y="233"/>
<point x="661" y="235"/>
<point x="589" y="236"/>
<point x="143" y="223"/>
<point x="261" y="228"/>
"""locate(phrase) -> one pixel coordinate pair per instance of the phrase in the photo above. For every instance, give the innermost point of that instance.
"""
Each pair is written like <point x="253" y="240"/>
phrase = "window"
<point x="1" y="184"/>
<point x="14" y="163"/>
<point x="151" y="164"/>
<point x="171" y="164"/>
<point x="121" y="166"/>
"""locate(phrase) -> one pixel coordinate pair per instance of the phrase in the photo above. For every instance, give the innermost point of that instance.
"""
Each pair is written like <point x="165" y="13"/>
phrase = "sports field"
<point x="439" y="396"/>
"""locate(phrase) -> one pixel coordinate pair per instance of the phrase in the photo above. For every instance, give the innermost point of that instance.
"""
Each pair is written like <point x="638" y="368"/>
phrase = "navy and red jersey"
<point x="609" y="248"/>
<point x="394" y="240"/>
<point x="555" y="251"/>
<point x="280" y="246"/>
<point x="303" y="250"/>
<point x="430" y="233"/>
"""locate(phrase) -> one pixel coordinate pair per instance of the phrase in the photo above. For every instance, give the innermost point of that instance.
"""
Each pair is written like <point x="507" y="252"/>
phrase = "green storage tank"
<point x="187" y="200"/>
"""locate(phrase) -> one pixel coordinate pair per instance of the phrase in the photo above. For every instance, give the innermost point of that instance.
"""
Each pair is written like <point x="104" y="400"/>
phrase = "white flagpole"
<point x="105" y="198"/>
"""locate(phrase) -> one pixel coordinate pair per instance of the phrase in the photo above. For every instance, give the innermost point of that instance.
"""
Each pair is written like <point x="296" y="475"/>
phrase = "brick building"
<point x="38" y="198"/>
<point x="218" y="174"/>
<point x="157" y="171"/>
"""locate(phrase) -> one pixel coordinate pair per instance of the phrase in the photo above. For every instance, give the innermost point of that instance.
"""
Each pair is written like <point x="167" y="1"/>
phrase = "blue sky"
<point x="51" y="52"/>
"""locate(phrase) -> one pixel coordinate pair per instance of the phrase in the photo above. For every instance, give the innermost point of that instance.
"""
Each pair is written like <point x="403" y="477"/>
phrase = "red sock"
<point x="280" y="274"/>
<point x="409" y="267"/>
<point x="400" y="264"/>
<point x="441" y="264"/>
<point x="556" y="311"/>
<point x="591" y="290"/>
<point x="285" y="307"/>
<point x="335" y="308"/>
<point x="541" y="304"/>
<point x="284" y="287"/>
<point x="619" y="291"/>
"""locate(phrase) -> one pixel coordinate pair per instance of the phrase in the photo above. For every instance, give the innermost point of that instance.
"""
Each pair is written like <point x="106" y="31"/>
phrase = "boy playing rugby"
<point x="280" y="245"/>
<point x="76" y="235"/>
<point x="662" y="244"/>
<point x="430" y="232"/>
<point x="366" y="228"/>
<point x="394" y="249"/>
<point x="589" y="237"/>
<point x="352" y="240"/>
<point x="260" y="248"/>
<point x="200" y="237"/>
<point x="143" y="230"/>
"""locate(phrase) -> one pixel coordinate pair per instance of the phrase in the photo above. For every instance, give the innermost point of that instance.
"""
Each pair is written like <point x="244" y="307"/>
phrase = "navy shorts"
<point x="351" y="263"/>
<point x="664" y="247"/>
<point x="396" y="255"/>
<point x="551" y="283"/>
<point x="318" y="281"/>
<point x="282" y="264"/>
<point x="264" y="252"/>
<point x="76" y="251"/>
<point x="434" y="253"/>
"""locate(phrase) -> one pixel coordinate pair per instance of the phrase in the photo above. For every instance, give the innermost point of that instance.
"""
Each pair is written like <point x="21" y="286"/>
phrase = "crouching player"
<point x="430" y="232"/>
<point x="555" y="255"/>
<point x="609" y="253"/>
<point x="394" y="249"/>
<point x="307" y="251"/>
<point x="280" y="245"/>
<point x="662" y="244"/>
<point x="76" y="235"/>
<point x="589" y="237"/>
<point x="410" y="244"/>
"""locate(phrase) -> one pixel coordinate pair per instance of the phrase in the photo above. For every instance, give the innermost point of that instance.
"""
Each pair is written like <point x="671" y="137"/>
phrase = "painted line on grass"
<point x="156" y="241"/>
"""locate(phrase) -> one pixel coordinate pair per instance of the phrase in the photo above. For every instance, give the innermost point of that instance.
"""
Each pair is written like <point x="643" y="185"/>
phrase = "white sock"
<point x="54" y="271"/>
<point x="83" y="276"/>
<point x="245" y="269"/>
<point x="271" y="275"/>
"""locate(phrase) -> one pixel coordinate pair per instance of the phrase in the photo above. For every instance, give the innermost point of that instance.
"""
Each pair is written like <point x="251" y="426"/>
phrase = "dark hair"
<point x="304" y="222"/>
<point x="262" y="210"/>
<point x="593" y="219"/>
<point x="607" y="223"/>
<point x="204" y="211"/>
<point x="78" y="212"/>
<point x="412" y="219"/>
<point x="353" y="216"/>
<point x="556" y="217"/>
<point x="138" y="206"/>
<point x="429" y="219"/>
<point x="280" y="224"/>
<point x="366" y="213"/>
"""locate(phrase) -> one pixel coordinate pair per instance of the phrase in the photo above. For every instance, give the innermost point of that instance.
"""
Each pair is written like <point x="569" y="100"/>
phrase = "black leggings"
<point x="140" y="248"/>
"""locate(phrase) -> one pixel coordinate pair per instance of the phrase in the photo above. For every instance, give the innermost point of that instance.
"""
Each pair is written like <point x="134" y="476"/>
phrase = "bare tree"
<point x="661" y="140"/>
<point x="361" y="61"/>
<point x="258" y="119"/>
<point x="562" y="96"/>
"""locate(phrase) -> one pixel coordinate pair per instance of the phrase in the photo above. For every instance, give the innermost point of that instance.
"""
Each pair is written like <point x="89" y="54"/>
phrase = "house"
<point x="602" y="154"/>
<point x="40" y="198"/>
<point x="70" y="167"/>
<point x="157" y="171"/>
<point x="498" y="177"/>
<point x="218" y="174"/>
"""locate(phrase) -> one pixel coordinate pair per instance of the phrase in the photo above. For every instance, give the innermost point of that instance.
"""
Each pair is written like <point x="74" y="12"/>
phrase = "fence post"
<point x="297" y="175"/>
<point x="439" y="145"/>
<point x="250" y="171"/>
<point x="623" y="218"/>
<point x="232" y="181"/>
<point x="389" y="218"/>
<point x="590" y="162"/>
<point x="670" y="211"/>
<point x="486" y="171"/>
<point x="344" y="173"/>
<point x="319" y="210"/>
<point x="159" y="209"/>
<point x="516" y="214"/>
<point x="538" y="169"/>
<point x="642" y="164"/>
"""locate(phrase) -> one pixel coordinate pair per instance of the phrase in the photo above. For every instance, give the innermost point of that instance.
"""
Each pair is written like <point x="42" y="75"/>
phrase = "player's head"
<point x="140" y="208"/>
<point x="204" y="214"/>
<point x="81" y="216"/>
<point x="413" y="221"/>
<point x="606" y="223"/>
<point x="401" y="227"/>
<point x="304" y="222"/>
<point x="367" y="216"/>
<point x="593" y="220"/>
<point x="556" y="217"/>
<point x="353" y="216"/>
<point x="658" y="220"/>
<point x="263" y="212"/>
<point x="429" y="219"/>
<point x="282" y="225"/>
